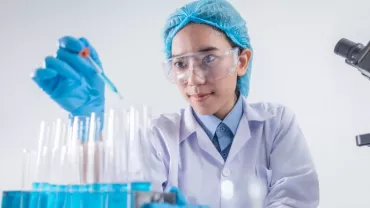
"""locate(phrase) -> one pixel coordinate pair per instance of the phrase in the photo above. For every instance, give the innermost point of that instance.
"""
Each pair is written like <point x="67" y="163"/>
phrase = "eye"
<point x="179" y="64"/>
<point x="208" y="59"/>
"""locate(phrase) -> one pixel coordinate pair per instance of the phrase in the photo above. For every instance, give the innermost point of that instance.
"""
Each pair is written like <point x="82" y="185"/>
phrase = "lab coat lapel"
<point x="191" y="126"/>
<point x="206" y="144"/>
<point x="243" y="133"/>
<point x="241" y="137"/>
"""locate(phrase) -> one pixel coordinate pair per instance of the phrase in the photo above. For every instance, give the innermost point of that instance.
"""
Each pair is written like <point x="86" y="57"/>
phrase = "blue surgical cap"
<point x="216" y="13"/>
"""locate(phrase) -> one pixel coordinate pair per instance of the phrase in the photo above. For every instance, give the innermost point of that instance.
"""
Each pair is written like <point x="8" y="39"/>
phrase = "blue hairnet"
<point x="219" y="14"/>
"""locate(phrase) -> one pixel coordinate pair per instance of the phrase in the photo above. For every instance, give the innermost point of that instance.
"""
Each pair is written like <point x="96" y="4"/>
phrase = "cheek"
<point x="181" y="88"/>
<point x="226" y="86"/>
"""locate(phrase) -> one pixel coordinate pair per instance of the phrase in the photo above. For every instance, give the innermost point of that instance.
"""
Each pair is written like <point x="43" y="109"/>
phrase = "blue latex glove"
<point x="180" y="202"/>
<point x="70" y="80"/>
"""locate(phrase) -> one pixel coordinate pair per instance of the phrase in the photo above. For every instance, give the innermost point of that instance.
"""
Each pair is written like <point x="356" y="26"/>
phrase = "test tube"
<point x="26" y="169"/>
<point x="94" y="151"/>
<point x="71" y="158"/>
<point x="145" y="139"/>
<point x="139" y="124"/>
<point x="43" y="162"/>
<point x="56" y="154"/>
<point x="116" y="132"/>
<point x="112" y="131"/>
<point x="76" y="152"/>
<point x="85" y="148"/>
<point x="142" y="152"/>
<point x="63" y="162"/>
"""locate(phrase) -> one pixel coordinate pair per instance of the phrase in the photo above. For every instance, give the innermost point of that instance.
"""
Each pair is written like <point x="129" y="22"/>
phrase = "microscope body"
<point x="358" y="56"/>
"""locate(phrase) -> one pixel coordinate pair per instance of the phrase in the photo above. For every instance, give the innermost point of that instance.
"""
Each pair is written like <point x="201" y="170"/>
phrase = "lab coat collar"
<point x="210" y="122"/>
<point x="250" y="112"/>
<point x="256" y="113"/>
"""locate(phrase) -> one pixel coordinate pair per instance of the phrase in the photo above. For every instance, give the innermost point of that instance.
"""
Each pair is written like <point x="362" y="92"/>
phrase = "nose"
<point x="194" y="78"/>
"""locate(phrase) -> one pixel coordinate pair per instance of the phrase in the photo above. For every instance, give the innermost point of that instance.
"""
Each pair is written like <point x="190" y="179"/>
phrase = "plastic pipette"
<point x="86" y="54"/>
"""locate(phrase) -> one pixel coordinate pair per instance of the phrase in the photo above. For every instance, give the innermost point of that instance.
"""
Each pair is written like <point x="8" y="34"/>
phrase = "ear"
<point x="244" y="59"/>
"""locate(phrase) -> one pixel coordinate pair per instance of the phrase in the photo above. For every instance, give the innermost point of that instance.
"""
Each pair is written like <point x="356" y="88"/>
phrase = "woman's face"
<point x="209" y="96"/>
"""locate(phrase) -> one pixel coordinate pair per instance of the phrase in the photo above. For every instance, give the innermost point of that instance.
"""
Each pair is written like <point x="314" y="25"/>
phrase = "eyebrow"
<point x="205" y="49"/>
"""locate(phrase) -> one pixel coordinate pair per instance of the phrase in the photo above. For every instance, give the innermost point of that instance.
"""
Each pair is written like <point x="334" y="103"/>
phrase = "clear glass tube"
<point x="56" y="177"/>
<point x="92" y="154"/>
<point x="138" y="144"/>
<point x="43" y="162"/>
<point x="28" y="169"/>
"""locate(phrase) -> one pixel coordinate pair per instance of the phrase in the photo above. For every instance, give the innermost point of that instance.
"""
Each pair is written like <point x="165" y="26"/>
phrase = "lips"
<point x="200" y="97"/>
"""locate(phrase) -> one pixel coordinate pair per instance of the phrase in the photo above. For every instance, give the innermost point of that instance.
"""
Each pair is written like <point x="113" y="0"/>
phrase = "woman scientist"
<point x="220" y="151"/>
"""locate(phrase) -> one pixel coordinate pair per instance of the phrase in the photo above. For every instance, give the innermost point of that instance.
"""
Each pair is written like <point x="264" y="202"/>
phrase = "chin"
<point x="203" y="110"/>
<point x="208" y="108"/>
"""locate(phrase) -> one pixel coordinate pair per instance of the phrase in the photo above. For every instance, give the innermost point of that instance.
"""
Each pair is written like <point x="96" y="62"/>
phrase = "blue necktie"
<point x="224" y="136"/>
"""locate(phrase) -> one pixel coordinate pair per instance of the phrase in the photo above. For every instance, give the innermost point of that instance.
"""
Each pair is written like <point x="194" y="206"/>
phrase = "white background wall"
<point x="294" y="64"/>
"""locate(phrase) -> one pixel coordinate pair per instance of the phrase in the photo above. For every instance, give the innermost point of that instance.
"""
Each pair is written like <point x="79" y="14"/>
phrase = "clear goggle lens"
<point x="209" y="65"/>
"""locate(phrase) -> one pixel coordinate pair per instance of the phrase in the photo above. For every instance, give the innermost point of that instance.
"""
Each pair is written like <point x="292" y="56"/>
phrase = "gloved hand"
<point x="70" y="80"/>
<point x="180" y="202"/>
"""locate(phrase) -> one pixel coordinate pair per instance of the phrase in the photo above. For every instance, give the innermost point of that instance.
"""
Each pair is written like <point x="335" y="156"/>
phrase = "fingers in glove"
<point x="75" y="45"/>
<point x="71" y="44"/>
<point x="62" y="68"/>
<point x="47" y="79"/>
<point x="79" y="64"/>
<point x="159" y="205"/>
<point x="180" y="198"/>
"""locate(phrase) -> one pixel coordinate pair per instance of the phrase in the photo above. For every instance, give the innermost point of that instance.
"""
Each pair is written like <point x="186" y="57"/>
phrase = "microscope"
<point x="358" y="56"/>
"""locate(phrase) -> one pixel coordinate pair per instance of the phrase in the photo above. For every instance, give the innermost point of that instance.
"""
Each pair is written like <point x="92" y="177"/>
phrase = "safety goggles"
<point x="208" y="65"/>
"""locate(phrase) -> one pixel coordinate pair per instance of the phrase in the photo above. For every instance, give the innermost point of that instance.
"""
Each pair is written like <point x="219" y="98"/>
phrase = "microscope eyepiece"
<point x="348" y="49"/>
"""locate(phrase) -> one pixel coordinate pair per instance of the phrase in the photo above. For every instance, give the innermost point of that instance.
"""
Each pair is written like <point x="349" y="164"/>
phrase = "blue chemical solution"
<point x="75" y="196"/>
